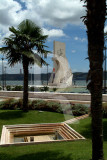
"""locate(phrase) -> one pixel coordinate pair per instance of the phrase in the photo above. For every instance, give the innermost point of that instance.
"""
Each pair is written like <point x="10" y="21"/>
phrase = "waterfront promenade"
<point x="83" y="98"/>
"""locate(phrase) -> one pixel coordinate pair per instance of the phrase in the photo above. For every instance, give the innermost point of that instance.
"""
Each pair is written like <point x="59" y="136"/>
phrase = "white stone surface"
<point x="50" y="95"/>
<point x="62" y="74"/>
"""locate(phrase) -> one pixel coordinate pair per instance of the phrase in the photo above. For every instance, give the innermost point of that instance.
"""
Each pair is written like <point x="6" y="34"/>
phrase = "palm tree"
<point x="19" y="48"/>
<point x="94" y="20"/>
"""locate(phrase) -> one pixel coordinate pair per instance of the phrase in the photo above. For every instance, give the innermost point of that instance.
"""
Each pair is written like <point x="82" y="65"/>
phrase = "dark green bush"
<point x="41" y="89"/>
<point x="0" y="88"/>
<point x="18" y="88"/>
<point x="45" y="88"/>
<point x="10" y="104"/>
<point x="76" y="110"/>
<point x="54" y="89"/>
<point x="54" y="106"/>
<point x="13" y="88"/>
<point x="8" y="87"/>
<point x="32" y="89"/>
<point x="79" y="109"/>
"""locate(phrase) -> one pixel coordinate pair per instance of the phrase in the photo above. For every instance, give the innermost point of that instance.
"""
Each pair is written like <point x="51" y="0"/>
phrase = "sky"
<point x="59" y="19"/>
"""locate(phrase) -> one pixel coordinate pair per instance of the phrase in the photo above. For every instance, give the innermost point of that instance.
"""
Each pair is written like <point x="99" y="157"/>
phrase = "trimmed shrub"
<point x="54" y="106"/>
<point x="41" y="89"/>
<point x="18" y="88"/>
<point x="76" y="110"/>
<point x="0" y="88"/>
<point x="79" y="109"/>
<point x="32" y="89"/>
<point x="54" y="89"/>
<point x="8" y="87"/>
<point x="45" y="88"/>
<point x="9" y="104"/>
<point x="13" y="88"/>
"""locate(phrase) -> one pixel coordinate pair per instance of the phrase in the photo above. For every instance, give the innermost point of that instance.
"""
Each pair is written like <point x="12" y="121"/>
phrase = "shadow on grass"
<point x="86" y="130"/>
<point x="8" y="115"/>
<point x="49" y="155"/>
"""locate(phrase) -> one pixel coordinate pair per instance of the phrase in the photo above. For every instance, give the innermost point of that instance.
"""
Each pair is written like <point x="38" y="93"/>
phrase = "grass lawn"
<point x="78" y="150"/>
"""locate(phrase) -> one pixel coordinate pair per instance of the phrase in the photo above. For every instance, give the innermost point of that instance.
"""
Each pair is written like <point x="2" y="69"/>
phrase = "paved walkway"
<point x="73" y="120"/>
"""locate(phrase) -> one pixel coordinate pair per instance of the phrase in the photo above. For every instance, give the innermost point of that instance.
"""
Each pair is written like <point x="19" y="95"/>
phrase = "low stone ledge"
<point x="50" y="95"/>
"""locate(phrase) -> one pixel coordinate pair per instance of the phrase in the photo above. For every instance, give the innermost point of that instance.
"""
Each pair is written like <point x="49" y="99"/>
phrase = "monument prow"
<point x="62" y="74"/>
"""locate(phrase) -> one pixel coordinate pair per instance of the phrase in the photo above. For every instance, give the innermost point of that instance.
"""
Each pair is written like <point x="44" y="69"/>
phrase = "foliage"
<point x="54" y="89"/>
<point x="20" y="46"/>
<point x="32" y="89"/>
<point x="79" y="109"/>
<point x="52" y="106"/>
<point x="0" y="88"/>
<point x="18" y="88"/>
<point x="8" y="87"/>
<point x="11" y="104"/>
<point x="45" y="88"/>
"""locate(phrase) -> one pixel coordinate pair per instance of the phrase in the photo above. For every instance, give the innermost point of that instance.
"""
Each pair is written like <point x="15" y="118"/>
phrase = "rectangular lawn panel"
<point x="78" y="150"/>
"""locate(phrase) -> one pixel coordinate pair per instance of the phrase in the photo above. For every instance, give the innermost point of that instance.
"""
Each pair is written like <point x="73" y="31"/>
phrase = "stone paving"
<point x="73" y="120"/>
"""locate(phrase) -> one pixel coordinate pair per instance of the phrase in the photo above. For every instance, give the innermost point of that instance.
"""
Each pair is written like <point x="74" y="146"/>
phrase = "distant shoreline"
<point x="43" y="76"/>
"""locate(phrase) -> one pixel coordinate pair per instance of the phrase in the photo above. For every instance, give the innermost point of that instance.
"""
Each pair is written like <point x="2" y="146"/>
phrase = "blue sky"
<point x="60" y="19"/>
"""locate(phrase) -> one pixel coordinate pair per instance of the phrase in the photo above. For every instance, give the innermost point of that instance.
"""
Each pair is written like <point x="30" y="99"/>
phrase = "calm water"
<point x="13" y="83"/>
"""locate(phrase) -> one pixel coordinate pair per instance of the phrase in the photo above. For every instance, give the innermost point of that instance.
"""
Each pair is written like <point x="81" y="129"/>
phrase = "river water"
<point x="14" y="83"/>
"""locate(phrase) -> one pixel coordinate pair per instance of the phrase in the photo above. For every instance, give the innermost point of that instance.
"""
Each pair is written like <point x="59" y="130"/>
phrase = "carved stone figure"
<point x="62" y="74"/>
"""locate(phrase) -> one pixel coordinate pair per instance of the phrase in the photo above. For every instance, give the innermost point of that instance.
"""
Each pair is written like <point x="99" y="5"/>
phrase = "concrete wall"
<point x="48" y="95"/>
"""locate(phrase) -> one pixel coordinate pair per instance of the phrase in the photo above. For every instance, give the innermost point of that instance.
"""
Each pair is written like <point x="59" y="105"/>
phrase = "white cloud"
<point x="60" y="12"/>
<point x="53" y="12"/>
<point x="79" y="39"/>
<point x="73" y="51"/>
<point x="105" y="29"/>
<point x="8" y="12"/>
<point x="54" y="32"/>
<point x="76" y="38"/>
<point x="56" y="13"/>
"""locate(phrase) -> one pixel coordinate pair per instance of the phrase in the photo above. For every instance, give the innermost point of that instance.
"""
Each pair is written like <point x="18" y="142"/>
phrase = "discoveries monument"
<point x="62" y="74"/>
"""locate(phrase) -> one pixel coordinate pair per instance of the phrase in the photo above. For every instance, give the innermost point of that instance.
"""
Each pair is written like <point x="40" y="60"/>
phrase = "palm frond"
<point x="22" y="41"/>
<point x="34" y="58"/>
<point x="13" y="30"/>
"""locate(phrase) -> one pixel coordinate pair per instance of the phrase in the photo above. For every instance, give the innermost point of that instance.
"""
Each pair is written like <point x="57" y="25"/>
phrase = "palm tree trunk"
<point x="25" y="91"/>
<point x="96" y="10"/>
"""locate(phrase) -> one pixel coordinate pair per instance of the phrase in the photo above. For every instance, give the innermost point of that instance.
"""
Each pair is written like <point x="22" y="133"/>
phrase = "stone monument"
<point x="62" y="74"/>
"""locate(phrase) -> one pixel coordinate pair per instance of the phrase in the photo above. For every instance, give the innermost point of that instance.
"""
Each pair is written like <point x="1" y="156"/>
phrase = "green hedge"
<point x="79" y="109"/>
<point x="11" y="104"/>
<point x="76" y="110"/>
